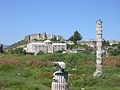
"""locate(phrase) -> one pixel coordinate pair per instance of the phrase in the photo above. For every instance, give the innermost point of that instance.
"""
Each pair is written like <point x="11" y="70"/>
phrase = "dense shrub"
<point x="40" y="52"/>
<point x="59" y="51"/>
<point x="17" y="51"/>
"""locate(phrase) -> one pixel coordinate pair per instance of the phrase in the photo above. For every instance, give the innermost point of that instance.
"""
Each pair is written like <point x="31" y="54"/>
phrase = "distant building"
<point x="46" y="47"/>
<point x="70" y="42"/>
<point x="111" y="42"/>
<point x="43" y="36"/>
<point x="90" y="43"/>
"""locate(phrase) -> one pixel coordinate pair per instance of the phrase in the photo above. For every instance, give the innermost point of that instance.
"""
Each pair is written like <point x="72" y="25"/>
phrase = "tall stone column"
<point x="99" y="70"/>
<point x="60" y="77"/>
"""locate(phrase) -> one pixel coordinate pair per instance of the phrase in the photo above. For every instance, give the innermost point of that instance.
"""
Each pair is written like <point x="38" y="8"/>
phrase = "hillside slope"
<point x="19" y="44"/>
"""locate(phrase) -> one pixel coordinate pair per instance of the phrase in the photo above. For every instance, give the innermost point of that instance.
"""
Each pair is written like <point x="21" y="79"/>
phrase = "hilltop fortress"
<point x="43" y="36"/>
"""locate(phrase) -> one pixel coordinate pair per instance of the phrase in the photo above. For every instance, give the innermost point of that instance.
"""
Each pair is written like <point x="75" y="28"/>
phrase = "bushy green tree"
<point x="1" y="48"/>
<point x="75" y="37"/>
<point x="40" y="52"/>
<point x="114" y="52"/>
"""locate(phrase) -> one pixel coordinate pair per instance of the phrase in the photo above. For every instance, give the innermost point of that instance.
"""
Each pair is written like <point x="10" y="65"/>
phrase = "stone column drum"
<point x="99" y="70"/>
<point x="60" y="77"/>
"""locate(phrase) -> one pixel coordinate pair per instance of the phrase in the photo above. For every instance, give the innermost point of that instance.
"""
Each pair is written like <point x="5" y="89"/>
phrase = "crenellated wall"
<point x="43" y="36"/>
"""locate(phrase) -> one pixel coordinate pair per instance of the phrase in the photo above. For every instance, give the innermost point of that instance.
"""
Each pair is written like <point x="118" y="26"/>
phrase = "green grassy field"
<point x="27" y="72"/>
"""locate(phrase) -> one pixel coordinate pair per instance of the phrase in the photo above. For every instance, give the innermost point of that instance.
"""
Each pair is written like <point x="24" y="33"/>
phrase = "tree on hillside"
<point x="1" y="48"/>
<point x="75" y="37"/>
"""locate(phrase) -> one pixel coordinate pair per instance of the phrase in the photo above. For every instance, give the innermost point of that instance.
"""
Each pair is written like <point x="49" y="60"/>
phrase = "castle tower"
<point x="60" y="77"/>
<point x="99" y="39"/>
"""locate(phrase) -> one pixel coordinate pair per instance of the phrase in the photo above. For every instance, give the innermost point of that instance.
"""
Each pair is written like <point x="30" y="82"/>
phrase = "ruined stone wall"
<point x="42" y="36"/>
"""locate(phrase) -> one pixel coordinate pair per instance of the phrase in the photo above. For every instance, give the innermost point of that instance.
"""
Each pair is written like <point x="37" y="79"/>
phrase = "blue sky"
<point x="22" y="17"/>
